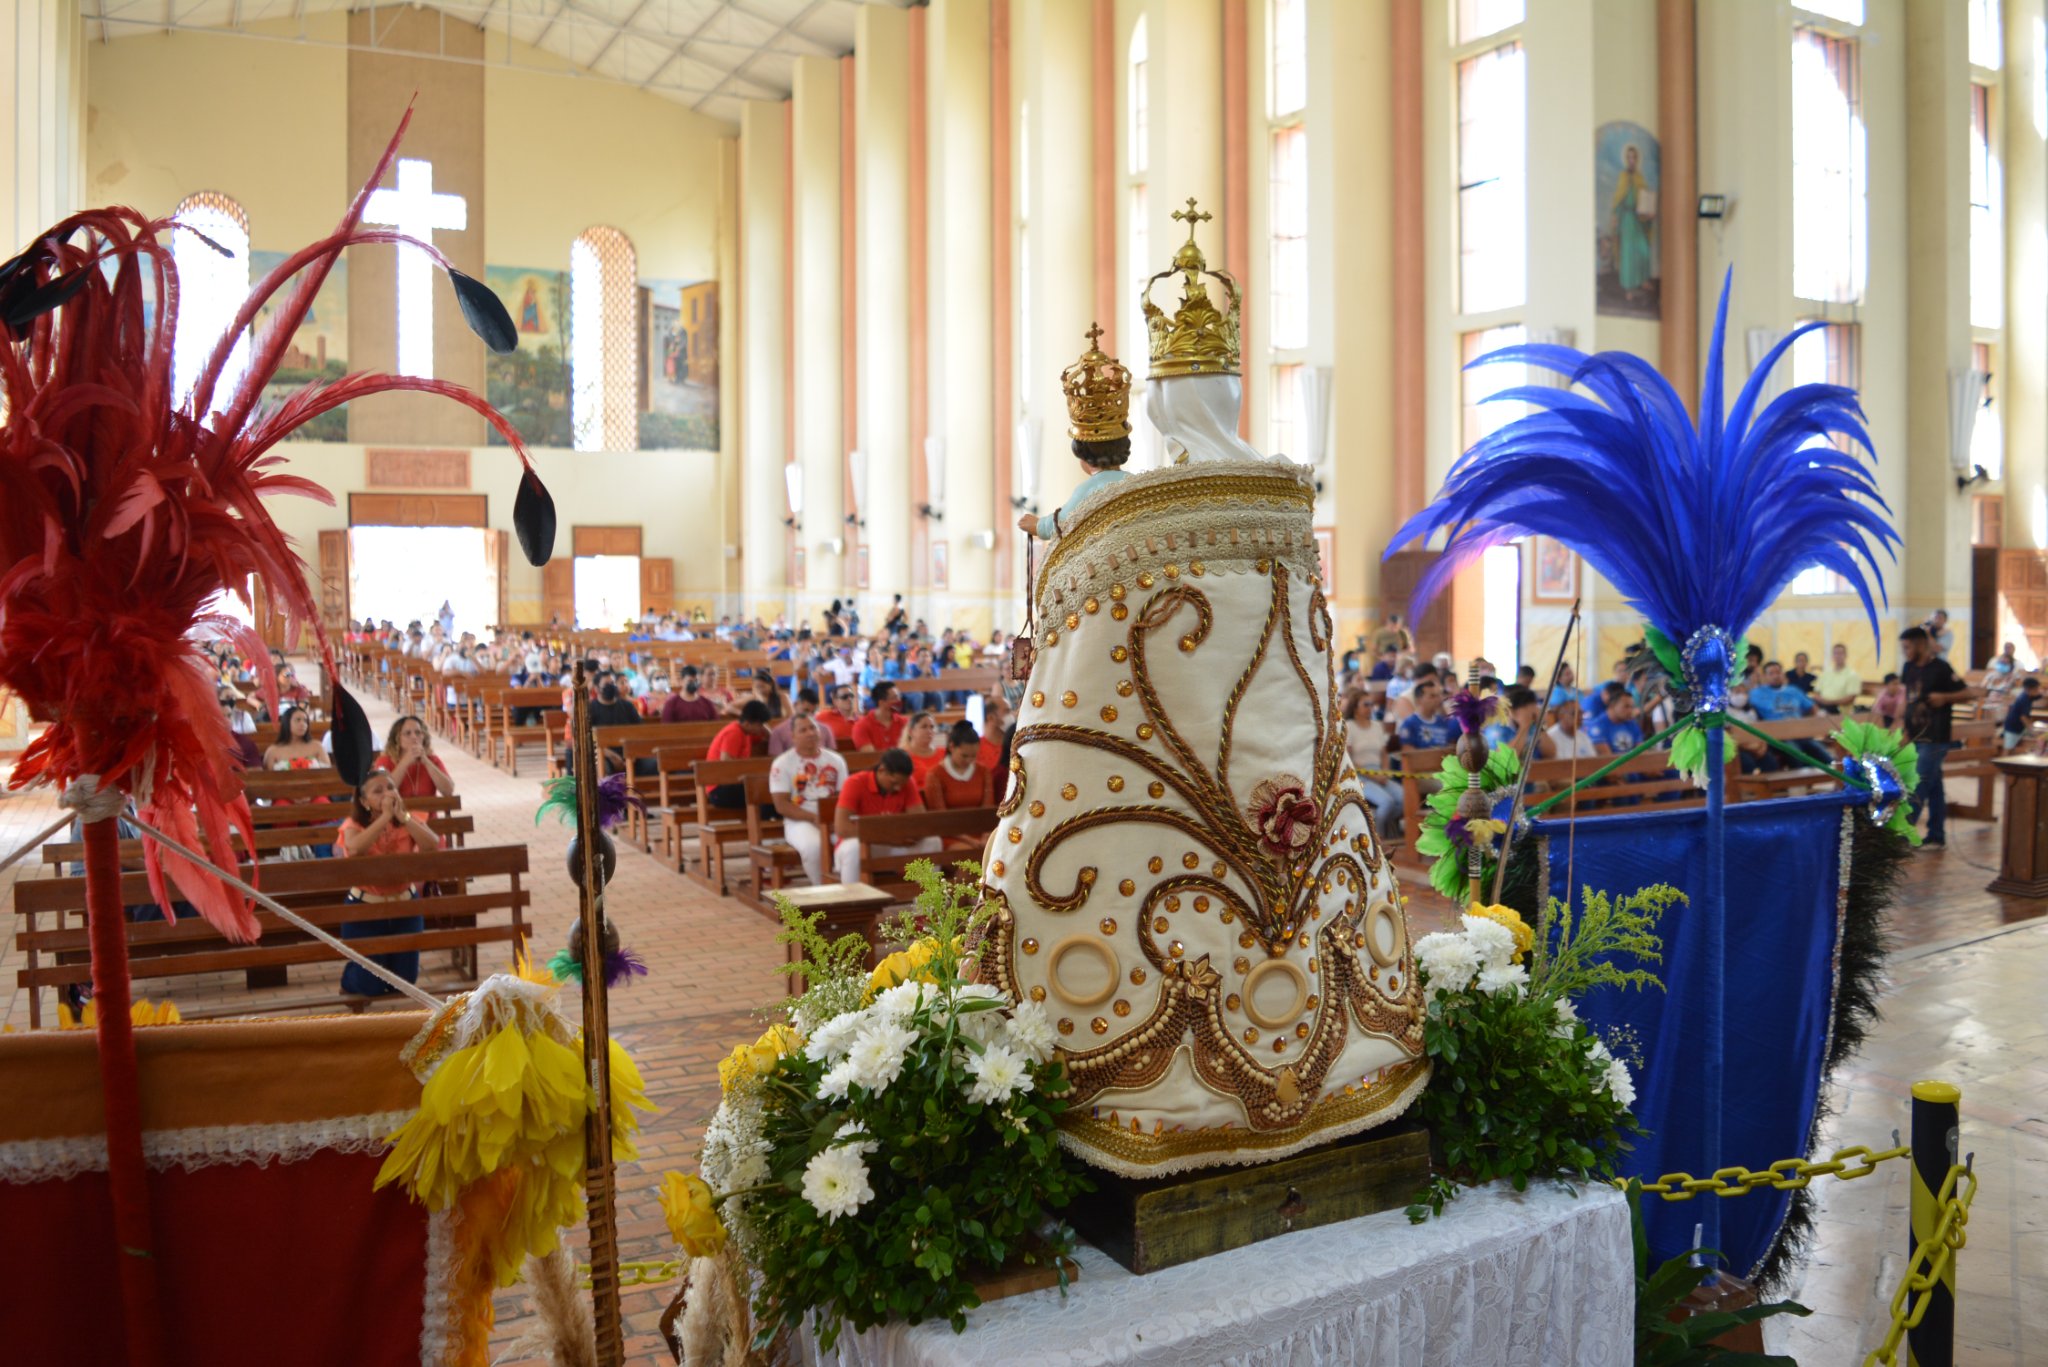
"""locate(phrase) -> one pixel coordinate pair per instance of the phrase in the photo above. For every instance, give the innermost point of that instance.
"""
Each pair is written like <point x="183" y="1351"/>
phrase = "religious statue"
<point x="1186" y="872"/>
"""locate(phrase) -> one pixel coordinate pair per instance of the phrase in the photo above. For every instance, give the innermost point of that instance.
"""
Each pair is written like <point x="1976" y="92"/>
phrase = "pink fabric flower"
<point x="1283" y="814"/>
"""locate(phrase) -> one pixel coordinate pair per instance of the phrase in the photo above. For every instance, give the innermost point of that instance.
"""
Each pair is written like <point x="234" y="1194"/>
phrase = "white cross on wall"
<point x="415" y="210"/>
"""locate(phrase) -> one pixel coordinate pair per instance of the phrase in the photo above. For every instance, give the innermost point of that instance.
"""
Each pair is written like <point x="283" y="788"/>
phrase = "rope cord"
<point x="1689" y="720"/>
<point x="1604" y="770"/>
<point x="339" y="946"/>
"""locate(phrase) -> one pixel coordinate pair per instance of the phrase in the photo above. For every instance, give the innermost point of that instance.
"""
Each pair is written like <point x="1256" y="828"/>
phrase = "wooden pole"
<point x="598" y="1187"/>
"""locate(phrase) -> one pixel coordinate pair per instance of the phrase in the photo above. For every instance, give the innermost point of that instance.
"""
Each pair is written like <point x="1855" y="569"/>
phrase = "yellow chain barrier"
<point x="1934" y="1256"/>
<point x="655" y="1272"/>
<point x="1787" y="1174"/>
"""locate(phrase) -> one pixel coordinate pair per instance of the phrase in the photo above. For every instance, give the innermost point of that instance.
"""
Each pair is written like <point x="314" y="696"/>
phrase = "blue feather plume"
<point x="1695" y="527"/>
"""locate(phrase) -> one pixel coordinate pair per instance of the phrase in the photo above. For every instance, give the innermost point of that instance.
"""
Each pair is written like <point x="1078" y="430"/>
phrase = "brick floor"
<point x="1964" y="1010"/>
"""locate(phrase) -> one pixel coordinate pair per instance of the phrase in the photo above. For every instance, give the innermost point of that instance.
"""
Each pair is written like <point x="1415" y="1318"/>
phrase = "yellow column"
<point x="815" y="152"/>
<point x="882" y="199"/>
<point x="763" y="342"/>
<point x="725" y="576"/>
<point x="42" y="118"/>
<point x="2023" y="385"/>
<point x="1052" y="45"/>
<point x="1934" y="519"/>
<point x="957" y="89"/>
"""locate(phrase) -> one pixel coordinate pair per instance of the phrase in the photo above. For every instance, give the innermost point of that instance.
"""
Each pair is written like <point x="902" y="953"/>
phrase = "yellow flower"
<point x="692" y="1215"/>
<point x="904" y="965"/>
<point x="140" y="1012"/>
<point x="754" y="1060"/>
<point x="1525" y="938"/>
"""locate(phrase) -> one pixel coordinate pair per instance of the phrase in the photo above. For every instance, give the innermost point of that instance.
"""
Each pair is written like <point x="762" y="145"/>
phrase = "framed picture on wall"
<point x="796" y="567"/>
<point x="1326" y="554"/>
<point x="1555" y="576"/>
<point x="860" y="566"/>
<point x="941" y="565"/>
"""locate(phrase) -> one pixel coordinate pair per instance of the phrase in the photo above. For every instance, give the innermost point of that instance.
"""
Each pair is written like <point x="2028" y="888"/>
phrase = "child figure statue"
<point x="1186" y="873"/>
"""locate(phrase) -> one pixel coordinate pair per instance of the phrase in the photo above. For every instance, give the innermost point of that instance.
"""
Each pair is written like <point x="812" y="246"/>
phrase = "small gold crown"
<point x="1199" y="339"/>
<point x="1098" y="389"/>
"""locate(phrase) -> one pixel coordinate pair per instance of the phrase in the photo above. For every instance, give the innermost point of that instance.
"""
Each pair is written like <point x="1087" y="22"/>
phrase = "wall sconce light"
<point x="1714" y="207"/>
<point x="832" y="545"/>
<point x="985" y="539"/>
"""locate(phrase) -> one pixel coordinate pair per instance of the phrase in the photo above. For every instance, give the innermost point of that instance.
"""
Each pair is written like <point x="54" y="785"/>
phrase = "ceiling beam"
<point x="741" y="70"/>
<point x="624" y="25"/>
<point x="716" y="11"/>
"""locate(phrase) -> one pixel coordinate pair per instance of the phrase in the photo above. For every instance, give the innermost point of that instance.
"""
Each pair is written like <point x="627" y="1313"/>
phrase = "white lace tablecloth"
<point x="1500" y="1280"/>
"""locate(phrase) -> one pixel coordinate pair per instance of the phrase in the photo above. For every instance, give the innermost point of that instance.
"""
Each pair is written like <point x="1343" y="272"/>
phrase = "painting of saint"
<point x="1627" y="176"/>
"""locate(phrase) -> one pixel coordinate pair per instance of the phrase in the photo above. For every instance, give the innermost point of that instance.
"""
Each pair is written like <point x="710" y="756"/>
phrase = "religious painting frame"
<point x="942" y="566"/>
<point x="860" y="565"/>
<point x="1326" y="556"/>
<point x="1553" y="571"/>
<point x="796" y="567"/>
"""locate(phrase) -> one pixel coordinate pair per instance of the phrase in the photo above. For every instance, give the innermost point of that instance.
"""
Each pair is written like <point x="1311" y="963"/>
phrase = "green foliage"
<point x="946" y="912"/>
<point x="1575" y="953"/>
<point x="1517" y="1094"/>
<point x="1450" y="874"/>
<point x="1862" y="739"/>
<point x="834" y="972"/>
<point x="1661" y="1342"/>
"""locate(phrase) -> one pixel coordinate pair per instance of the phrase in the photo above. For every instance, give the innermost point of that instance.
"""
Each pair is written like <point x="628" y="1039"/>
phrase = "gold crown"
<point x="1199" y="339"/>
<point x="1098" y="389"/>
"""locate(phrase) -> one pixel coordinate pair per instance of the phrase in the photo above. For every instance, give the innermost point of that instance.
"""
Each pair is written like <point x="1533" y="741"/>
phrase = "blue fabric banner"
<point x="1787" y="888"/>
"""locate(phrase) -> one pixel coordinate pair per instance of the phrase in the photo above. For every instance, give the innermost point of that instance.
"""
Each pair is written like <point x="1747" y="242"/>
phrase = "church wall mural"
<point x="1628" y="178"/>
<point x="318" y="352"/>
<point x="679" y="365"/>
<point x="530" y="385"/>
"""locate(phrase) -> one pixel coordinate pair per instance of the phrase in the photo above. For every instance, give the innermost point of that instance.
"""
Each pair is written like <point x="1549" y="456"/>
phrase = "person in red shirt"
<point x="960" y="780"/>
<point x="742" y="739"/>
<point x="410" y="760"/>
<point x="688" y="702"/>
<point x="840" y="719"/>
<point x="995" y="717"/>
<point x="922" y="742"/>
<point x="881" y="729"/>
<point x="379" y="824"/>
<point x="885" y="790"/>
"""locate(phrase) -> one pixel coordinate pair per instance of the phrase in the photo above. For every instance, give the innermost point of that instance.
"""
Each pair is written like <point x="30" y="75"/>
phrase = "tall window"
<point x="213" y="282"/>
<point x="1493" y="215"/>
<point x="1480" y="383"/>
<point x="1987" y="46"/>
<point x="603" y="378"/>
<point x="1830" y="214"/>
<point x="1483" y="18"/>
<point x="1287" y="304"/>
<point x="1987" y="225"/>
<point x="1828" y="355"/>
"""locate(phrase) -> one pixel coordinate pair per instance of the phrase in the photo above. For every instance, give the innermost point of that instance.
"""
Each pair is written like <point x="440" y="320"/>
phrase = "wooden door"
<point x="1983" y="604"/>
<point x="334" y="613"/>
<point x="497" y="559"/>
<point x="558" y="592"/>
<point x="657" y="585"/>
<point x="604" y="540"/>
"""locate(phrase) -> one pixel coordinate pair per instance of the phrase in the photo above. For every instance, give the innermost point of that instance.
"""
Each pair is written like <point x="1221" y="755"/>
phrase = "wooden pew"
<point x="1977" y="744"/>
<point x="453" y="830"/>
<point x="265" y="734"/>
<point x="547" y="732"/>
<point x="885" y="871"/>
<point x="308" y="813"/>
<point x="57" y="954"/>
<point x="717" y="826"/>
<point x="1793" y="777"/>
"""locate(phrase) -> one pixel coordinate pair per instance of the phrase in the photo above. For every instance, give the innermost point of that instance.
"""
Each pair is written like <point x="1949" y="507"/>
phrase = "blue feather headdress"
<point x="1699" y="529"/>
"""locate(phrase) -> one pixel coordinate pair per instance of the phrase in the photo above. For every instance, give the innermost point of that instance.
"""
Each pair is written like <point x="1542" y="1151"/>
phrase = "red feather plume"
<point x="122" y="515"/>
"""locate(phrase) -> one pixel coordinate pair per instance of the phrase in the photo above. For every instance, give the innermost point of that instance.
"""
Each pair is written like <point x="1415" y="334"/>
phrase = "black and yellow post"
<point x="1936" y="1115"/>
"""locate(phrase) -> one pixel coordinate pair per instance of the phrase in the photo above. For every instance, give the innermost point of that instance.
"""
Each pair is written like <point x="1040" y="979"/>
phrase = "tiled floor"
<point x="1964" y="1004"/>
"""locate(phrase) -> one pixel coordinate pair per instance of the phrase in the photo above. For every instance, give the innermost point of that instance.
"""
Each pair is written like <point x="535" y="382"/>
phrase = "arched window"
<point x="603" y="389"/>
<point x="1137" y="210"/>
<point x="211" y="285"/>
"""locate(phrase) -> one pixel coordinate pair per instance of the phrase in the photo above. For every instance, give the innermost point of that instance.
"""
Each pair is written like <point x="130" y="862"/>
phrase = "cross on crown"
<point x="1191" y="216"/>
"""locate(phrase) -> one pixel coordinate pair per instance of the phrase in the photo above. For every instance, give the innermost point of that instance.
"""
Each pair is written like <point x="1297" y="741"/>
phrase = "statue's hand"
<point x="1028" y="524"/>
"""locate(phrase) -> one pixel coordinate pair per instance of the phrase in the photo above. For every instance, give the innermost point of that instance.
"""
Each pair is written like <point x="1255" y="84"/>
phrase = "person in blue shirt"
<point x="1614" y="730"/>
<point x="1428" y="727"/>
<point x="1383" y="668"/>
<point x="1776" y="699"/>
<point x="1098" y="400"/>
<point x="2020" y="715"/>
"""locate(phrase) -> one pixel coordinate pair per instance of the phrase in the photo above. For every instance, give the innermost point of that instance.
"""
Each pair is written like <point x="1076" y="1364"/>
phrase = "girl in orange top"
<point x="921" y="743"/>
<point x="960" y="780"/>
<point x="378" y="824"/>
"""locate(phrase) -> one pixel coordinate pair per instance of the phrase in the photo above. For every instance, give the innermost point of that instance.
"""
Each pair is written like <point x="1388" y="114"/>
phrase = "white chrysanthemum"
<point x="1509" y="978"/>
<point x="999" y="1074"/>
<point x="862" y="1141"/>
<point x="1493" y="942"/>
<point x="1031" y="1032"/>
<point x="836" y="1182"/>
<point x="1447" y="960"/>
<point x="878" y="1052"/>
<point x="830" y="1041"/>
<point x="898" y="1003"/>
<point x="1567" y="1019"/>
<point x="840" y="1076"/>
<point x="1599" y="1051"/>
<point x="982" y="1026"/>
<point x="1620" y="1083"/>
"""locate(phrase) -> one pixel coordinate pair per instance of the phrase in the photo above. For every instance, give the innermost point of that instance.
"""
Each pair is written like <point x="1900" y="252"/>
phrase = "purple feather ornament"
<point x="1471" y="711"/>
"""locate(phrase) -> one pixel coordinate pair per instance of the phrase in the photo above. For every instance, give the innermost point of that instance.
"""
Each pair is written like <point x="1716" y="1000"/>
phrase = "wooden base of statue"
<point x="1157" y="1222"/>
<point x="1031" y="1270"/>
